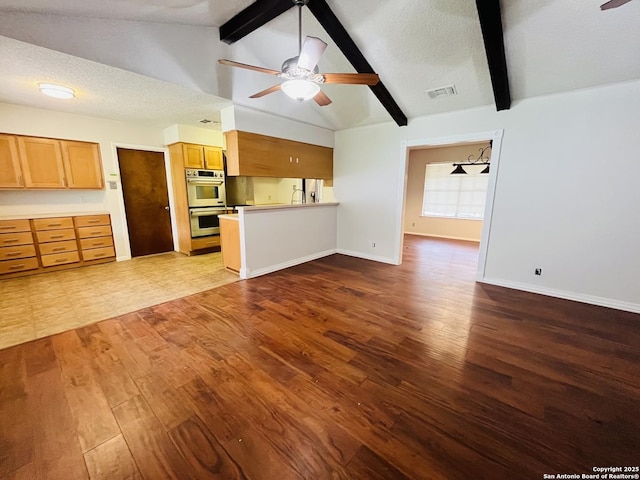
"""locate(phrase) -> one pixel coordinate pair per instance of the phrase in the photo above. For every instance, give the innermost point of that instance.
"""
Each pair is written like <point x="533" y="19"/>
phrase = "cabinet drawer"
<point x="59" y="259"/>
<point x="58" y="247"/>
<point x="19" y="238"/>
<point x="10" y="226"/>
<point x="92" y="220"/>
<point x="11" y="266"/>
<point x="99" y="231"/>
<point x="55" y="235"/>
<point x="19" y="251"/>
<point x="205" y="242"/>
<point x="53" y="223"/>
<point x="97" y="253"/>
<point x="98" y="242"/>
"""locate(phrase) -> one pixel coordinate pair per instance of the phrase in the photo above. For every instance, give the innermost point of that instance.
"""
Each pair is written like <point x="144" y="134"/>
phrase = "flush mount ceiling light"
<point x="56" y="91"/>
<point x="471" y="161"/>
<point x="300" y="90"/>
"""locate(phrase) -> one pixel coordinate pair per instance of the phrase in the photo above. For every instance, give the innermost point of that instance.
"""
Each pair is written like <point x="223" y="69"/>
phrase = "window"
<point x="454" y="196"/>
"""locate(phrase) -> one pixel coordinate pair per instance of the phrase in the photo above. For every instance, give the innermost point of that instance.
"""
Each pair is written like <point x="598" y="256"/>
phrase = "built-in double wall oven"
<point x="207" y="199"/>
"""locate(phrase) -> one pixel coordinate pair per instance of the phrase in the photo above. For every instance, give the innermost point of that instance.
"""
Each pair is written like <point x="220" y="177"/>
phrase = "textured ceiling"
<point x="414" y="45"/>
<point x="100" y="90"/>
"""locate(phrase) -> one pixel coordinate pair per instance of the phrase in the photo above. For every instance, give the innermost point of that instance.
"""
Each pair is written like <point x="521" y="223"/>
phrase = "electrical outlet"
<point x="538" y="271"/>
<point x="373" y="244"/>
<point x="413" y="224"/>
<point x="294" y="187"/>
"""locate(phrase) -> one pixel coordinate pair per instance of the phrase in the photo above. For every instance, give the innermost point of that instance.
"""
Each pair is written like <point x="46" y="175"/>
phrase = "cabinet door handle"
<point x="53" y="224"/>
<point x="99" y="254"/>
<point x="290" y="159"/>
<point x="12" y="240"/>
<point x="8" y="227"/>
<point x="57" y="236"/>
<point x="13" y="254"/>
<point x="16" y="267"/>
<point x="93" y="221"/>
<point x="296" y="159"/>
<point x="60" y="260"/>
<point x="97" y="244"/>
<point x="59" y="249"/>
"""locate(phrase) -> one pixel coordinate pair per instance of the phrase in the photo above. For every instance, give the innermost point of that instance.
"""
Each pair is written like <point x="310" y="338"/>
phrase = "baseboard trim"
<point x="446" y="237"/>
<point x="366" y="256"/>
<point x="578" y="297"/>
<point x="246" y="273"/>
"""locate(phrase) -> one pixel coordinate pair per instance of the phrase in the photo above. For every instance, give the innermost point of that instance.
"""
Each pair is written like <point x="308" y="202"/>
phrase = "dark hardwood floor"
<point x="339" y="368"/>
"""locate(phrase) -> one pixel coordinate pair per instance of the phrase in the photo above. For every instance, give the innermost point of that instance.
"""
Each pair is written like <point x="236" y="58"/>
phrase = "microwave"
<point x="205" y="188"/>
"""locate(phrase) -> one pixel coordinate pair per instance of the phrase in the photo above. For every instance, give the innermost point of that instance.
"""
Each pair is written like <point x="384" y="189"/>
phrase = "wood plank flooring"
<point x="340" y="368"/>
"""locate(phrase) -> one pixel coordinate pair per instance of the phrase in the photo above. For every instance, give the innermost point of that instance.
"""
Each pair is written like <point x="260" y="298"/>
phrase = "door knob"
<point x="166" y="208"/>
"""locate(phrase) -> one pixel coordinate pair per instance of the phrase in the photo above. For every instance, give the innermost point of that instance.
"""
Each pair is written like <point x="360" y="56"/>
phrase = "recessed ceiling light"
<point x="56" y="91"/>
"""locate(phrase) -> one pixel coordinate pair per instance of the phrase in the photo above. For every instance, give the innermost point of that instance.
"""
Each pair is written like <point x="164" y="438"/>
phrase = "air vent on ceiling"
<point x="446" y="91"/>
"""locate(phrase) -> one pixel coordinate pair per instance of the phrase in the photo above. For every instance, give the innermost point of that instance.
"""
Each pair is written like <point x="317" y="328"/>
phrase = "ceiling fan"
<point x="613" y="4"/>
<point x="303" y="79"/>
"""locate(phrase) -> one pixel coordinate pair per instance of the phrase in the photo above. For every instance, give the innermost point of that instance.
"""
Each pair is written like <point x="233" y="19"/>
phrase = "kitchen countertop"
<point x="52" y="215"/>
<point x="229" y="216"/>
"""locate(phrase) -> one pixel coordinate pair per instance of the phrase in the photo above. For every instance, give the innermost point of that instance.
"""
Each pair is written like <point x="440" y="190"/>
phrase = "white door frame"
<point x="118" y="179"/>
<point x="408" y="145"/>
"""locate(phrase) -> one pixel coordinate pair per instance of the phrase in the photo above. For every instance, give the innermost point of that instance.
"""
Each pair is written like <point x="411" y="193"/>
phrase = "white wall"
<point x="566" y="196"/>
<point x="255" y="121"/>
<point x="273" y="239"/>
<point x="47" y="123"/>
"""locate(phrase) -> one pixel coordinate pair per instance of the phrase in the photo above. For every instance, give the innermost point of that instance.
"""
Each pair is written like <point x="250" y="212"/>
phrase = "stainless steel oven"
<point x="205" y="188"/>
<point x="205" y="221"/>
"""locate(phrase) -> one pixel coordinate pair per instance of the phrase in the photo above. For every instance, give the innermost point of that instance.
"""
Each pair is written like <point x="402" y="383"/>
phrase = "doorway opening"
<point x="455" y="149"/>
<point x="146" y="201"/>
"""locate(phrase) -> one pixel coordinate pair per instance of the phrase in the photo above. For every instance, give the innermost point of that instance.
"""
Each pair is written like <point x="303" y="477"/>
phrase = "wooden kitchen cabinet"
<point x="29" y="246"/>
<point x="230" y="243"/>
<point x="187" y="155"/>
<point x="251" y="154"/>
<point x="10" y="172"/>
<point x="82" y="165"/>
<point x="38" y="163"/>
<point x="201" y="156"/>
<point x="41" y="162"/>
<point x="56" y="241"/>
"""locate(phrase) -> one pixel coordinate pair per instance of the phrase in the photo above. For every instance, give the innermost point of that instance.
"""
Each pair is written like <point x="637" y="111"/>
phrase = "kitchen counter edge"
<point x="256" y="208"/>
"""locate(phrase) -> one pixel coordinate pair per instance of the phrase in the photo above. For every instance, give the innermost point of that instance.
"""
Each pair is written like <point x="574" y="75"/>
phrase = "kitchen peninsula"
<point x="274" y="237"/>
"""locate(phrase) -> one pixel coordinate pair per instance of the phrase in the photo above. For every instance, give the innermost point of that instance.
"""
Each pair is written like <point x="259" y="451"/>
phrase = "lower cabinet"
<point x="29" y="246"/>
<point x="230" y="242"/>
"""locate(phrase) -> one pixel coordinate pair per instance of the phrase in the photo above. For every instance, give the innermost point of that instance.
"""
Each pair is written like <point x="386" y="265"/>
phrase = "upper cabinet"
<point x="251" y="154"/>
<point x="82" y="164"/>
<point x="201" y="156"/>
<point x="10" y="173"/>
<point x="39" y="163"/>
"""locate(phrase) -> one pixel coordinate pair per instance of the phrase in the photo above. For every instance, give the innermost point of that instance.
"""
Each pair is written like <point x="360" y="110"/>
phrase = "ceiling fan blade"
<point x="231" y="63"/>
<point x="266" y="91"/>
<point x="352" y="78"/>
<point x="312" y="50"/>
<point x="613" y="4"/>
<point x="322" y="99"/>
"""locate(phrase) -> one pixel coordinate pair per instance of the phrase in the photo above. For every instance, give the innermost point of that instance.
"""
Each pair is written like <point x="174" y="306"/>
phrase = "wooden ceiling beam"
<point x="345" y="43"/>
<point x="491" y="25"/>
<point x="251" y="18"/>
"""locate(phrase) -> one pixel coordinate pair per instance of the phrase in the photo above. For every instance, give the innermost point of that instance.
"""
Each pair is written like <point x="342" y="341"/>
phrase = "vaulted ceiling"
<point x="414" y="45"/>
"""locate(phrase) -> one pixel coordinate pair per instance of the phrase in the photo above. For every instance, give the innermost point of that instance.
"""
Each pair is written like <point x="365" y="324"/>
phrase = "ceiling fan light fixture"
<point x="56" y="91"/>
<point x="300" y="90"/>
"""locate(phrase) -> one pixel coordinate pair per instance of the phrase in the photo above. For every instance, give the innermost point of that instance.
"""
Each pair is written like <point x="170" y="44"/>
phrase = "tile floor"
<point x="41" y="305"/>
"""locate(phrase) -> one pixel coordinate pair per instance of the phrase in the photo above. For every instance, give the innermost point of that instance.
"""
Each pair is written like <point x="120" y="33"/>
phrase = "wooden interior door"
<point x="146" y="201"/>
